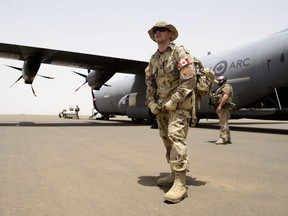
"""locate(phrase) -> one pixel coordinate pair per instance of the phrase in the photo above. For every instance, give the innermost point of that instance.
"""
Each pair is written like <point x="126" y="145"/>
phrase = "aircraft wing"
<point x="72" y="59"/>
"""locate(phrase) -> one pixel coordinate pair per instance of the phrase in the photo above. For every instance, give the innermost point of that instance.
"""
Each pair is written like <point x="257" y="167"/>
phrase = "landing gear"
<point x="105" y="117"/>
<point x="94" y="113"/>
<point x="154" y="124"/>
<point x="140" y="121"/>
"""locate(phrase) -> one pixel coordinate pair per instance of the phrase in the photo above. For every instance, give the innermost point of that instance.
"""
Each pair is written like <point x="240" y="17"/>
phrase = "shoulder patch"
<point x="183" y="62"/>
<point x="188" y="71"/>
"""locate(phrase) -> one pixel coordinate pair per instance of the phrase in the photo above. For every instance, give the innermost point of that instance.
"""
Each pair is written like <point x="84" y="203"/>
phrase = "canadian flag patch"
<point x="183" y="62"/>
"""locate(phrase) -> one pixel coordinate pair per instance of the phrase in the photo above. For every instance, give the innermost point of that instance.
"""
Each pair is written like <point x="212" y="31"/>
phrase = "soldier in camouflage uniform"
<point x="222" y="101"/>
<point x="170" y="80"/>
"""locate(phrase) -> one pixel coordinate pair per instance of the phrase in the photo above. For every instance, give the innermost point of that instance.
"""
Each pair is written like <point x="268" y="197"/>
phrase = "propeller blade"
<point x="45" y="76"/>
<point x="83" y="75"/>
<point x="33" y="91"/>
<point x="16" y="81"/>
<point x="80" y="86"/>
<point x="17" y="68"/>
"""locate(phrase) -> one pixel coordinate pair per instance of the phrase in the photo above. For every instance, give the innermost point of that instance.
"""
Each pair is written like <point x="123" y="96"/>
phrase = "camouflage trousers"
<point x="173" y="129"/>
<point x="224" y="116"/>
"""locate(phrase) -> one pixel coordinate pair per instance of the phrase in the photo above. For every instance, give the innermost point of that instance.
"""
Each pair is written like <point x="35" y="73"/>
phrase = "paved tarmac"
<point x="58" y="167"/>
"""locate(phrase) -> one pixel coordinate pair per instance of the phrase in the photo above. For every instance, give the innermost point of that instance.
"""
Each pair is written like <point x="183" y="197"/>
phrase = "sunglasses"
<point x="160" y="29"/>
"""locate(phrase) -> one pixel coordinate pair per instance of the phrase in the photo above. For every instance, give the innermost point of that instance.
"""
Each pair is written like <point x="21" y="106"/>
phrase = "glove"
<point x="170" y="105"/>
<point x="155" y="108"/>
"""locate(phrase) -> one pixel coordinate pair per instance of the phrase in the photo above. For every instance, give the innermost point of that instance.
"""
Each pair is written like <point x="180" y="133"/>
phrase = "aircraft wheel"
<point x="136" y="120"/>
<point x="146" y="121"/>
<point x="197" y="123"/>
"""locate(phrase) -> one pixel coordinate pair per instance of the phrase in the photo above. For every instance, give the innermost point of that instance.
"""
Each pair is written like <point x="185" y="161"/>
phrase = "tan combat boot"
<point x="167" y="181"/>
<point x="221" y="142"/>
<point x="179" y="190"/>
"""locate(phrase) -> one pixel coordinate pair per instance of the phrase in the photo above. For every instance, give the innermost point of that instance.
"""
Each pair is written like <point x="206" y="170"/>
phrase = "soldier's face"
<point x="162" y="35"/>
<point x="220" y="82"/>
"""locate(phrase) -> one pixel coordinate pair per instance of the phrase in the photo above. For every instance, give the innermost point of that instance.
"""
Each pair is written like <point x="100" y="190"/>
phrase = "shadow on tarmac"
<point x="234" y="126"/>
<point x="151" y="181"/>
<point x="73" y="123"/>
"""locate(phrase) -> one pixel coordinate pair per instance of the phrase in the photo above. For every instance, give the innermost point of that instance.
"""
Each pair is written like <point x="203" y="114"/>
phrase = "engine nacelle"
<point x="30" y="68"/>
<point x="94" y="79"/>
<point x="97" y="78"/>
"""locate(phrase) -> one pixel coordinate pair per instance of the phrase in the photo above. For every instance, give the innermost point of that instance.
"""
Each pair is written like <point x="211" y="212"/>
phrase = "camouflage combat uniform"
<point x="226" y="110"/>
<point x="165" y="80"/>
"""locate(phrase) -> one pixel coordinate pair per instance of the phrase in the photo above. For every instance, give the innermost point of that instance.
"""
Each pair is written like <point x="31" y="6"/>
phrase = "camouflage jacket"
<point x="217" y="96"/>
<point x="164" y="79"/>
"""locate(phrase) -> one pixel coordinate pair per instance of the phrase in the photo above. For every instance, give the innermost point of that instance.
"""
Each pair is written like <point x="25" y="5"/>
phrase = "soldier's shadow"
<point x="152" y="181"/>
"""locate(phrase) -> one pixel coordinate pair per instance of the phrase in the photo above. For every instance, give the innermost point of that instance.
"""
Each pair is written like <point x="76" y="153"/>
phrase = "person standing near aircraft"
<point x="77" y="109"/>
<point x="170" y="80"/>
<point x="222" y="102"/>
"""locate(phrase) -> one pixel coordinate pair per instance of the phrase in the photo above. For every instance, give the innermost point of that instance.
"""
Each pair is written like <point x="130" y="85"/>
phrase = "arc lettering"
<point x="239" y="63"/>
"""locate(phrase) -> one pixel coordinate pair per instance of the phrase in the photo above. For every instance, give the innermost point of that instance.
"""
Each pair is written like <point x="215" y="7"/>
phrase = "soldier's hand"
<point x="170" y="105"/>
<point x="155" y="108"/>
<point x="219" y="109"/>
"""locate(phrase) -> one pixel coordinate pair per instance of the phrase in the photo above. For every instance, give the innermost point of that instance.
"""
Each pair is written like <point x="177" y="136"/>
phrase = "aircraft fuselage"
<point x="255" y="71"/>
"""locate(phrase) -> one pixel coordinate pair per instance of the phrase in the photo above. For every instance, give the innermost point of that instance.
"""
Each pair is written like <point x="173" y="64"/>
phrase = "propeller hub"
<point x="28" y="81"/>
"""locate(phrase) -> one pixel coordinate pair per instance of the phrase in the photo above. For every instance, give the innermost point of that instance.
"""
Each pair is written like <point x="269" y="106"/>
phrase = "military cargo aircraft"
<point x="258" y="72"/>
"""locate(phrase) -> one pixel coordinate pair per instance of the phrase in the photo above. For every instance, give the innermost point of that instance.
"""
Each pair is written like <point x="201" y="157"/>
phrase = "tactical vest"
<point x="218" y="95"/>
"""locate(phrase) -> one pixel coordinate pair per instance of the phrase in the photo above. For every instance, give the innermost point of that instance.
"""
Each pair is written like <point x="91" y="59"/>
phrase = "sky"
<point x="117" y="29"/>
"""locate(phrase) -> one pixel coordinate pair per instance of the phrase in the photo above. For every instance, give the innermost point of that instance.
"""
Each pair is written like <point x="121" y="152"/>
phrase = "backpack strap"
<point x="193" y="121"/>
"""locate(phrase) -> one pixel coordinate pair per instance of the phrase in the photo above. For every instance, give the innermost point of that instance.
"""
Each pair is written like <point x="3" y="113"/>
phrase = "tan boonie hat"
<point x="163" y="24"/>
